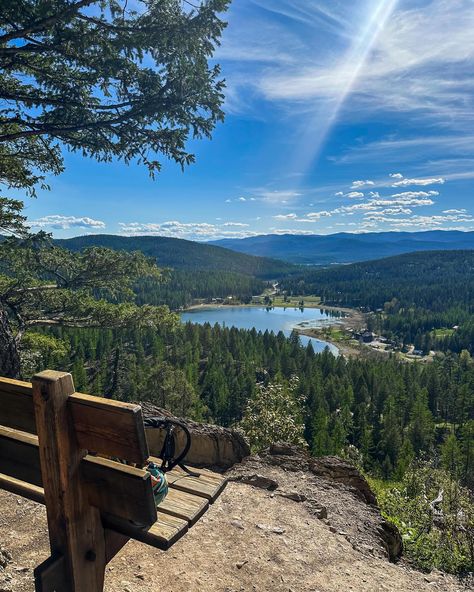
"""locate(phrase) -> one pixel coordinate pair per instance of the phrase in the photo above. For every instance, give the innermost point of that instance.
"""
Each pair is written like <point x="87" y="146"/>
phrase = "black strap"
<point x="168" y="451"/>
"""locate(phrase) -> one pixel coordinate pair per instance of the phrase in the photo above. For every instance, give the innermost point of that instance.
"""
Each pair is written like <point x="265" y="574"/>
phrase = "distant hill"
<point x="420" y="293"/>
<point x="184" y="255"/>
<point x="346" y="247"/>
<point x="432" y="280"/>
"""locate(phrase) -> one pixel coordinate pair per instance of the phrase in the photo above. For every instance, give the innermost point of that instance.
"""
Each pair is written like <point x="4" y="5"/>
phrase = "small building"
<point x="367" y="337"/>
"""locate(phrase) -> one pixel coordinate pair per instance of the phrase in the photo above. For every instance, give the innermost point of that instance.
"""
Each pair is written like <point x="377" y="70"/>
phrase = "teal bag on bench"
<point x="159" y="482"/>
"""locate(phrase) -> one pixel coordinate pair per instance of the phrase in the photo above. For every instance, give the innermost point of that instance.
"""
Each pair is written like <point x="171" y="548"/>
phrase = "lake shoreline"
<point x="352" y="320"/>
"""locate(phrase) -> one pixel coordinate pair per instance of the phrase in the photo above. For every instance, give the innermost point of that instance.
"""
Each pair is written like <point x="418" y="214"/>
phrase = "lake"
<point x="262" y="318"/>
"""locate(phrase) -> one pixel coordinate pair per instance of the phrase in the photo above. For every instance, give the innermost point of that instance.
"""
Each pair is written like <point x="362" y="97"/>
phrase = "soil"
<point x="250" y="540"/>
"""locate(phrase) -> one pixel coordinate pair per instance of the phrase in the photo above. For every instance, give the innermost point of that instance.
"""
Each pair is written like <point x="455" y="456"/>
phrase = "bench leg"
<point x="76" y="534"/>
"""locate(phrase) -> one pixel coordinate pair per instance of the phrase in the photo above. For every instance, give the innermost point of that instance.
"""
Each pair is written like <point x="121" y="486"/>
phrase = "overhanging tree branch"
<point x="45" y="23"/>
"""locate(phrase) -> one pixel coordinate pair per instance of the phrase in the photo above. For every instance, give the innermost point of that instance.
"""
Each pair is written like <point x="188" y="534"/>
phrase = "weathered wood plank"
<point x="204" y="475"/>
<point x="112" y="487"/>
<point x="183" y="505"/>
<point x="192" y="485"/>
<point x="21" y="488"/>
<point x="164" y="533"/>
<point x="109" y="427"/>
<point x="201" y="486"/>
<point x="75" y="527"/>
<point x="16" y="405"/>
<point x="19" y="456"/>
<point x="161" y="535"/>
<point x="118" y="489"/>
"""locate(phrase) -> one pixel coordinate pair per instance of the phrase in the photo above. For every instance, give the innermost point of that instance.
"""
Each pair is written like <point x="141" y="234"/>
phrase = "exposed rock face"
<point x="332" y="468"/>
<point x="211" y="446"/>
<point x="336" y="469"/>
<point x="331" y="489"/>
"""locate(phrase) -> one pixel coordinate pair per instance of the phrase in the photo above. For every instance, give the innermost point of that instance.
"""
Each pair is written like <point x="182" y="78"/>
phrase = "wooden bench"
<point x="52" y="444"/>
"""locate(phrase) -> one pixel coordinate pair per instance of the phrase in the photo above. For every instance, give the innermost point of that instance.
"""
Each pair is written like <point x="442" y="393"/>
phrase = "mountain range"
<point x="346" y="247"/>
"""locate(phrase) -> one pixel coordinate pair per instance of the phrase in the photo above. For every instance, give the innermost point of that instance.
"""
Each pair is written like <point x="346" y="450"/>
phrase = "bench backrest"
<point x="101" y="425"/>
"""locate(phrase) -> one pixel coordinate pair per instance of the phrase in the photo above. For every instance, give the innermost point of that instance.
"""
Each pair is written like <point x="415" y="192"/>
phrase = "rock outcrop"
<point x="211" y="445"/>
<point x="332" y="490"/>
<point x="332" y="468"/>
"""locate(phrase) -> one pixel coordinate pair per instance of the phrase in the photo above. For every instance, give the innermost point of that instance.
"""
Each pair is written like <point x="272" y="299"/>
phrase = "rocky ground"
<point x="284" y="523"/>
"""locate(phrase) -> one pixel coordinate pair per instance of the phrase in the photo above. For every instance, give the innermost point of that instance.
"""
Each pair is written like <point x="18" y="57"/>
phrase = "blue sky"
<point x="341" y="115"/>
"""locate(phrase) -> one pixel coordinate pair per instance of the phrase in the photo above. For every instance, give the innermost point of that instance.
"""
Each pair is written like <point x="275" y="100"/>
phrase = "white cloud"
<point x="58" y="222"/>
<point x="428" y="222"/>
<point x="286" y="216"/>
<point x="354" y="194"/>
<point x="422" y="182"/>
<point x="360" y="184"/>
<point x="306" y="218"/>
<point x="409" y="59"/>
<point x="396" y="175"/>
<point x="396" y="51"/>
<point x="455" y="211"/>
<point x="291" y="231"/>
<point x="415" y="194"/>
<point x="187" y="230"/>
<point x="241" y="199"/>
<point x="317" y="215"/>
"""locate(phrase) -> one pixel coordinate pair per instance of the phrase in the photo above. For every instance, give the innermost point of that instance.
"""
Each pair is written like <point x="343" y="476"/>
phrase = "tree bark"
<point x="9" y="356"/>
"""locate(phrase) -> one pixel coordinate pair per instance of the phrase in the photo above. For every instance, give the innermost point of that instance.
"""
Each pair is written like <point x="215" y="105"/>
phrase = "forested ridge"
<point x="182" y="254"/>
<point x="413" y="295"/>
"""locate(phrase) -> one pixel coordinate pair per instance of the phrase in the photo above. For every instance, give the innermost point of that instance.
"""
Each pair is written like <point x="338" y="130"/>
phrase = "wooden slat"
<point x="204" y="475"/>
<point x="166" y="531"/>
<point x="119" y="489"/>
<point x="16" y="405"/>
<point x="109" y="427"/>
<point x="183" y="505"/>
<point x="112" y="487"/>
<point x="19" y="456"/>
<point x="21" y="488"/>
<point x="199" y="486"/>
<point x="193" y="485"/>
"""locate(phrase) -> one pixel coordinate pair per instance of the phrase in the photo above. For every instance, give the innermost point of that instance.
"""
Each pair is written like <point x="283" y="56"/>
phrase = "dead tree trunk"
<point x="9" y="356"/>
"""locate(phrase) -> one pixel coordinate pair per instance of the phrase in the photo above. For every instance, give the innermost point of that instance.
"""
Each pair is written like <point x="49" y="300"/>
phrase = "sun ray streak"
<point x="349" y="70"/>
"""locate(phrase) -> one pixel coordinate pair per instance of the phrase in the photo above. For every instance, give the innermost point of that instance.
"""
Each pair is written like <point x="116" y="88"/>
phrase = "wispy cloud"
<point x="323" y="63"/>
<point x="404" y="50"/>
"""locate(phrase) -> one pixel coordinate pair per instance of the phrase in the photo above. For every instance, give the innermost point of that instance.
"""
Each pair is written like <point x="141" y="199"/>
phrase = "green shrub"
<point x="436" y="534"/>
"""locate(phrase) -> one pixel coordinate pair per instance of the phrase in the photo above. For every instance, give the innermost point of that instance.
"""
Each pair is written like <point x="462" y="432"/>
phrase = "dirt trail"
<point x="289" y="550"/>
